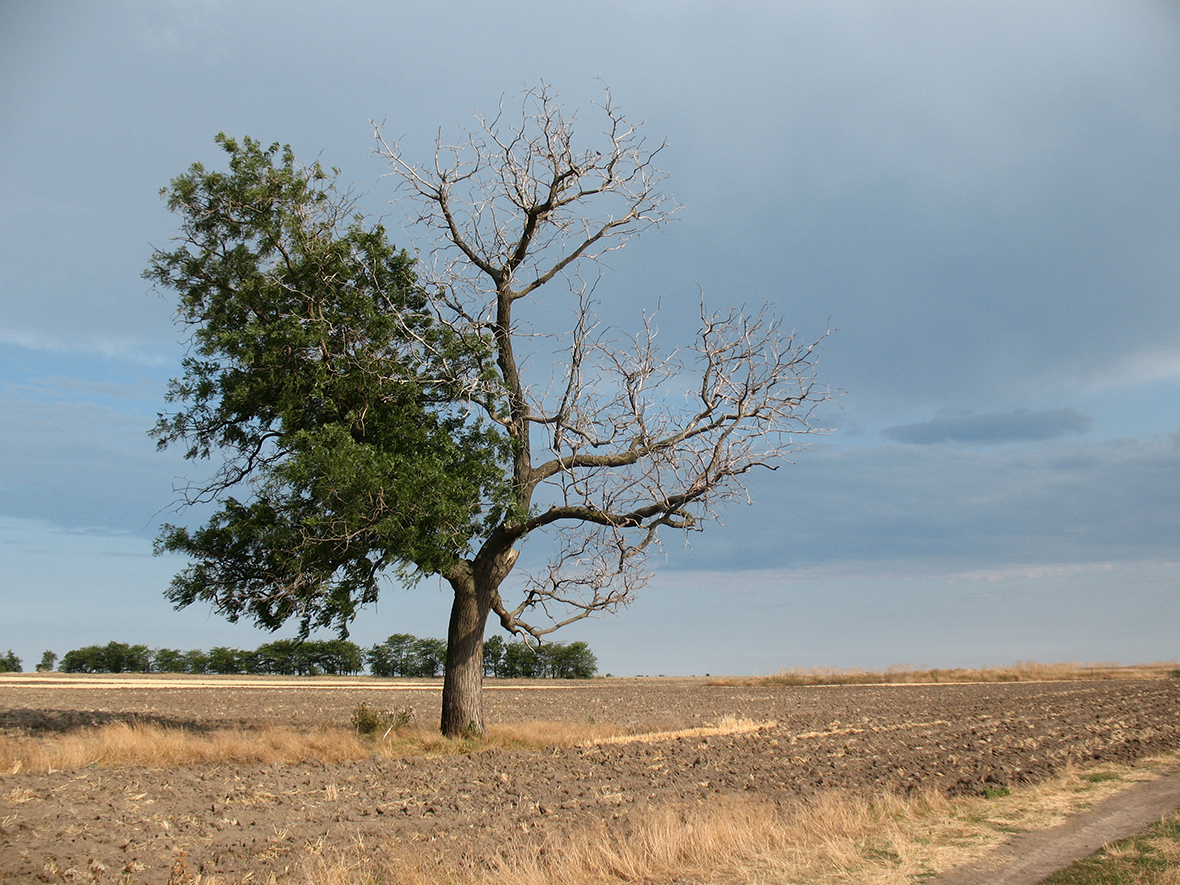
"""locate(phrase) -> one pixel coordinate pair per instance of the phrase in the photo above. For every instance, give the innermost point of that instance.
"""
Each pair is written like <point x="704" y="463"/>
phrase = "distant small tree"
<point x="493" y="655"/>
<point x="89" y="659"/>
<point x="169" y="660"/>
<point x="337" y="657"/>
<point x="196" y="661"/>
<point x="119" y="657"/>
<point x="393" y="657"/>
<point x="114" y="657"/>
<point x="403" y="654"/>
<point x="281" y="657"/>
<point x="430" y="656"/>
<point x="48" y="659"/>
<point x="226" y="660"/>
<point x="521" y="661"/>
<point x="573" y="661"/>
<point x="10" y="663"/>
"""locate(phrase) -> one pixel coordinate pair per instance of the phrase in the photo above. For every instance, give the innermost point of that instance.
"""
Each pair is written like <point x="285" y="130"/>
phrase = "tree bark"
<point x="462" y="700"/>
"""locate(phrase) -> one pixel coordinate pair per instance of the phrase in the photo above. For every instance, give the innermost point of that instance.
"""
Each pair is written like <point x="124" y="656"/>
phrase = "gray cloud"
<point x="1019" y="425"/>
<point x="926" y="507"/>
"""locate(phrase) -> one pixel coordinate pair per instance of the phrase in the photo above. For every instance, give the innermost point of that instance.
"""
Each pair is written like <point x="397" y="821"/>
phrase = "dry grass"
<point x="122" y="744"/>
<point x="727" y="725"/>
<point x="836" y="838"/>
<point x="138" y="744"/>
<point x="1022" y="671"/>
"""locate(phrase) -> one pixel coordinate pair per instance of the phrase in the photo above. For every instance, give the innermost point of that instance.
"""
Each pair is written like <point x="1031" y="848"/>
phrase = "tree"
<point x="114" y="657"/>
<point x="10" y="663"/>
<point x="196" y="661"/>
<point x="383" y="423"/>
<point x="573" y="661"/>
<point x="123" y="658"/>
<point x="522" y="661"/>
<point x="326" y="391"/>
<point x="393" y="657"/>
<point x="515" y="206"/>
<point x="48" y="659"/>
<point x="493" y="654"/>
<point x="169" y="660"/>
<point x="227" y="660"/>
<point x="90" y="659"/>
<point x="405" y="655"/>
<point x="337" y="657"/>
<point x="430" y="656"/>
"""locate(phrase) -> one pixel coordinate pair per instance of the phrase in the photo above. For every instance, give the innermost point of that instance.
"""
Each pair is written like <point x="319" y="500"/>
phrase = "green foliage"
<point x="521" y="661"/>
<point x="572" y="661"/>
<point x="555" y="660"/>
<point x="10" y="663"/>
<point x="227" y="660"/>
<point x="368" y="721"/>
<point x="291" y="657"/>
<point x="407" y="656"/>
<point x="326" y="390"/>
<point x="493" y="655"/>
<point x="169" y="660"/>
<point x="114" y="657"/>
<point x="48" y="660"/>
<point x="332" y="657"/>
<point x="196" y="661"/>
<point x="401" y="655"/>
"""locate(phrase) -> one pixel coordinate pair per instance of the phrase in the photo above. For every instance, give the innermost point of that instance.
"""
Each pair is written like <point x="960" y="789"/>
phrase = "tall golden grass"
<point x="1021" y="671"/>
<point x="139" y="744"/>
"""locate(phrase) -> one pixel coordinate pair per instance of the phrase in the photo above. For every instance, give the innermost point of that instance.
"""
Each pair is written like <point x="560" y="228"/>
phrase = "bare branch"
<point x="640" y="441"/>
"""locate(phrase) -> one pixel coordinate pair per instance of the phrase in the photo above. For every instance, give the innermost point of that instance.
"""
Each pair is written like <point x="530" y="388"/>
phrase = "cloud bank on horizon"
<point x="983" y="200"/>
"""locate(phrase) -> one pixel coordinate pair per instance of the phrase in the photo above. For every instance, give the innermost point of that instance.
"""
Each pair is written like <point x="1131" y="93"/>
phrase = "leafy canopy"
<point x="330" y="396"/>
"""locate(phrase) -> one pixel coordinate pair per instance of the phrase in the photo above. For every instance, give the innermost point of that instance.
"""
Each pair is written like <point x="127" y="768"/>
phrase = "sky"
<point x="981" y="199"/>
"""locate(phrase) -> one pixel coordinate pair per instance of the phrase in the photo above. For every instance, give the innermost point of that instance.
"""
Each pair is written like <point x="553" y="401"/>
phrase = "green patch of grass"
<point x="1140" y="860"/>
<point x="1099" y="777"/>
<point x="1012" y="830"/>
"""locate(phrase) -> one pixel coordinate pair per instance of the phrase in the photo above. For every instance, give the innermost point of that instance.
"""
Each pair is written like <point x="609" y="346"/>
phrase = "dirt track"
<point x="234" y="820"/>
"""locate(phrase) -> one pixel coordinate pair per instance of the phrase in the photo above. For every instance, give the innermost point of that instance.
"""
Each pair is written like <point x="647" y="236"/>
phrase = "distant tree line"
<point x="406" y="655"/>
<point x="555" y="660"/>
<point x="10" y="663"/>
<point x="400" y="655"/>
<point x="285" y="657"/>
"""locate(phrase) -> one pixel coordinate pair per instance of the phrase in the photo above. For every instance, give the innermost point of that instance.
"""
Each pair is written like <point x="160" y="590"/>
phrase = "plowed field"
<point x="234" y="820"/>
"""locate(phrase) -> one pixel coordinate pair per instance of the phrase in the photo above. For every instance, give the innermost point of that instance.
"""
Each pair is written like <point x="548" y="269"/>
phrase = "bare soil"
<point x="234" y="821"/>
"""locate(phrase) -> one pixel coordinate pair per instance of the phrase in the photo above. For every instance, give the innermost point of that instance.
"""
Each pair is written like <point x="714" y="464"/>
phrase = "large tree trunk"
<point x="475" y="584"/>
<point x="462" y="700"/>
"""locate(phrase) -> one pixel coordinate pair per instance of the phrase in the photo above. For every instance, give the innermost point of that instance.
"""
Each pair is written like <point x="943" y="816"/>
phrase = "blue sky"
<point x="983" y="198"/>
